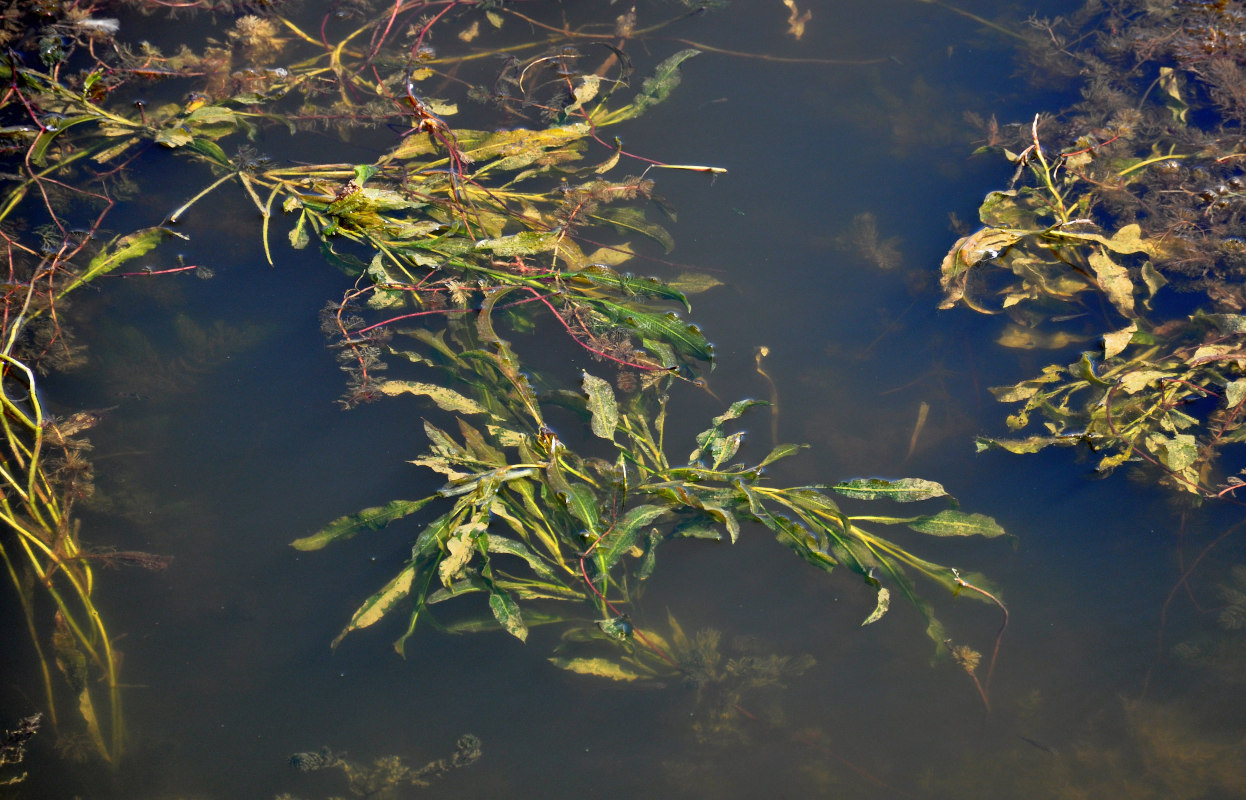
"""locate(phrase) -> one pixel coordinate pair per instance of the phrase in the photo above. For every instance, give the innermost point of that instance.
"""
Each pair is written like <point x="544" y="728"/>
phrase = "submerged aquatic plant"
<point x="1142" y="194"/>
<point x="450" y="224"/>
<point x="13" y="747"/>
<point x="387" y="776"/>
<point x="532" y="524"/>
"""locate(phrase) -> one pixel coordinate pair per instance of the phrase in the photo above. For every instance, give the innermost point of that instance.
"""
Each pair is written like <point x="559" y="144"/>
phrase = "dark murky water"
<point x="234" y="446"/>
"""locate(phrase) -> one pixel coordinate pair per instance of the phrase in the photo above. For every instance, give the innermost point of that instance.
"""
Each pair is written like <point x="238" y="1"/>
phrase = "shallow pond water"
<point x="224" y="442"/>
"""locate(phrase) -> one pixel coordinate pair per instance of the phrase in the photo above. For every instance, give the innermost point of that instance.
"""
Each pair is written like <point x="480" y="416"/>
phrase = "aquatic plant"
<point x="1142" y="193"/>
<point x="13" y="747"/>
<point x="451" y="224"/>
<point x="387" y="776"/>
<point x="587" y="528"/>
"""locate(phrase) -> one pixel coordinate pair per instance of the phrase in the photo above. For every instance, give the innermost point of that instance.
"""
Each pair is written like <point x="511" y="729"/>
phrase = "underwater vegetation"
<point x="387" y="776"/>
<point x="460" y="239"/>
<point x="13" y="747"/>
<point x="1137" y="749"/>
<point x="1116" y="205"/>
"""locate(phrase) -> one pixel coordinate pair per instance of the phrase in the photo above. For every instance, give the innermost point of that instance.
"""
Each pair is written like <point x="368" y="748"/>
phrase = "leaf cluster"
<point x="1144" y="193"/>
<point x="532" y="525"/>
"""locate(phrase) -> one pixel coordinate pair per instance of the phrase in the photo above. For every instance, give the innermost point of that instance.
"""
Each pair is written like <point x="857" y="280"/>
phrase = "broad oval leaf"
<point x="506" y="612"/>
<point x="602" y="406"/>
<point x="1114" y="280"/>
<point x="626" y="532"/>
<point x="957" y="523"/>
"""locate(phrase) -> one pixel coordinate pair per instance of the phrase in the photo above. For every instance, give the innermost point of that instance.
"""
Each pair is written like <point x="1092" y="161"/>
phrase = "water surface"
<point x="221" y="455"/>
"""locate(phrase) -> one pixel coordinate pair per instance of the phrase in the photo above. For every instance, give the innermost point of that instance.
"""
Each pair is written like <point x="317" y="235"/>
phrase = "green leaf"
<point x="649" y="560"/>
<point x="299" y="237"/>
<point x="1175" y="453"/>
<point x="602" y="406"/>
<point x="725" y="516"/>
<point x="363" y="172"/>
<point x="501" y="544"/>
<point x="379" y="604"/>
<point x="506" y="612"/>
<point x="782" y="451"/>
<point x="1137" y="380"/>
<point x="445" y="446"/>
<point x="582" y="503"/>
<point x="957" y="523"/>
<point x="904" y="490"/>
<point x="1031" y="444"/>
<point x="601" y="275"/>
<point x="1117" y="341"/>
<point x="1235" y="392"/>
<point x="211" y="149"/>
<point x="116" y="253"/>
<point x="524" y="243"/>
<point x="627" y="531"/>
<point x="723" y="448"/>
<point x="666" y="328"/>
<point x="665" y="78"/>
<point x="711" y="440"/>
<point x="39" y="149"/>
<point x="459" y="552"/>
<point x="370" y="519"/>
<point x="174" y="136"/>
<point x="694" y="283"/>
<point x="630" y="218"/>
<point x="212" y="122"/>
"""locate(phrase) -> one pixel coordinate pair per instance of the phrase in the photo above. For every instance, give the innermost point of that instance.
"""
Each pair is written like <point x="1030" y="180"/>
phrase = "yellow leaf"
<point x="1136" y="381"/>
<point x="1115" y="342"/>
<point x="600" y="667"/>
<point x="1114" y="280"/>
<point x="379" y="604"/>
<point x="87" y="709"/>
<point x="1021" y="338"/>
<point x="447" y="399"/>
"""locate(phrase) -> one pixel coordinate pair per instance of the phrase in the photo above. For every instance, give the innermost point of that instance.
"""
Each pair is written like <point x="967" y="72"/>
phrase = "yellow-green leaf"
<point x="370" y="519"/>
<point x="601" y="667"/>
<point x="1114" y="280"/>
<point x="116" y="253"/>
<point x="506" y="612"/>
<point x="445" y="398"/>
<point x="951" y="522"/>
<point x="904" y="490"/>
<point x="602" y="406"/>
<point x="884" y="602"/>
<point x="379" y="604"/>
<point x="1117" y="341"/>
